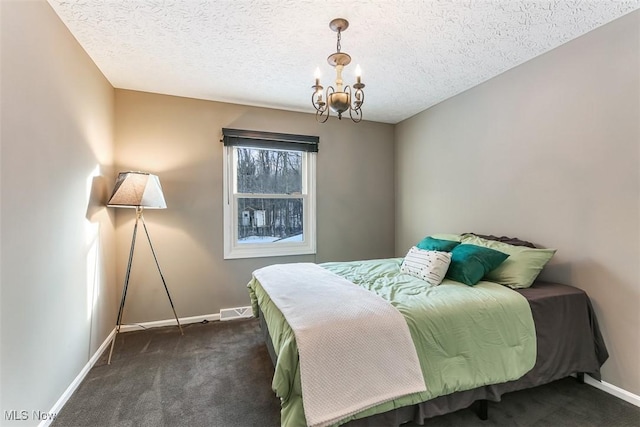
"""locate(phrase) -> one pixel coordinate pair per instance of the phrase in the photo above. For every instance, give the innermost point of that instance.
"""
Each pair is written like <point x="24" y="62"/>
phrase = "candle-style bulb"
<point x="317" y="73"/>
<point x="358" y="74"/>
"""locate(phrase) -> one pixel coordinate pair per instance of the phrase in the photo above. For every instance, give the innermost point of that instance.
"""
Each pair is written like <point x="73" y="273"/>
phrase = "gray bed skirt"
<point x="568" y="342"/>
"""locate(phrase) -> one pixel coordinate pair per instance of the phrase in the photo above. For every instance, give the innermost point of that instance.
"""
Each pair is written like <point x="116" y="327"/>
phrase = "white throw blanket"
<point x="355" y="348"/>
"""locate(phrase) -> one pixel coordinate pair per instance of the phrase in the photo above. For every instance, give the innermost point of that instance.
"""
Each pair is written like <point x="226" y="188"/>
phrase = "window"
<point x="269" y="205"/>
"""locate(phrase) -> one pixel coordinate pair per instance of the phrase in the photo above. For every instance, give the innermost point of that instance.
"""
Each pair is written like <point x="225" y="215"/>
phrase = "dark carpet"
<point x="219" y="374"/>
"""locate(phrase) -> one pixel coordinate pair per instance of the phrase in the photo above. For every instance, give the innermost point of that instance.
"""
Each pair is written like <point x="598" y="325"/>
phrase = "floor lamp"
<point x="138" y="190"/>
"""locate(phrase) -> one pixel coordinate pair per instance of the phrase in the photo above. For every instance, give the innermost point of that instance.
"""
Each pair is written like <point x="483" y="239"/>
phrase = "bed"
<point x="566" y="340"/>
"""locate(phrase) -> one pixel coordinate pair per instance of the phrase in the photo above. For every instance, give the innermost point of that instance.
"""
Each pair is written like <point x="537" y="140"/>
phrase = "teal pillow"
<point x="447" y="236"/>
<point x="431" y="244"/>
<point x="469" y="263"/>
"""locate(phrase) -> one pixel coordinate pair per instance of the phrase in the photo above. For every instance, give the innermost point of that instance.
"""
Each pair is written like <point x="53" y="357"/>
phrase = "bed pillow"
<point x="470" y="263"/>
<point x="523" y="266"/>
<point x="430" y="266"/>
<point x="432" y="244"/>
<point x="447" y="236"/>
<point x="504" y="239"/>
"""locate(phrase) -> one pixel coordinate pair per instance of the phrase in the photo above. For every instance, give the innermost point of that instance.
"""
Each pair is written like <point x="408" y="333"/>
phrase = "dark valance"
<point x="270" y="140"/>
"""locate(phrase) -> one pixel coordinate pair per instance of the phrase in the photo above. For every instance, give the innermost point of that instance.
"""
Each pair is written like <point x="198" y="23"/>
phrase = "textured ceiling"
<point x="413" y="54"/>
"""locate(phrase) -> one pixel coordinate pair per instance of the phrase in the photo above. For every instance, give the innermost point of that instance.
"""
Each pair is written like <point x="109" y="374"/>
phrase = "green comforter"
<point x="466" y="337"/>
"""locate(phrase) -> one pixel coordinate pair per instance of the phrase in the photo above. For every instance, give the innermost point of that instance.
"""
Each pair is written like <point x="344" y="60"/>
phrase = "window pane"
<point x="270" y="220"/>
<point x="269" y="171"/>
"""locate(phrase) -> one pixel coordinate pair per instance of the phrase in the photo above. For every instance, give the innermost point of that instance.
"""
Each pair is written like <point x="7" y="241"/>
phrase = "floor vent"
<point x="235" y="313"/>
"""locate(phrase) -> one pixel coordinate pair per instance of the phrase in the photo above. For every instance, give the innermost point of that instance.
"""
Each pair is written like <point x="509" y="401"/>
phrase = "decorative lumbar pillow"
<point x="521" y="269"/>
<point x="470" y="263"/>
<point x="432" y="244"/>
<point x="430" y="266"/>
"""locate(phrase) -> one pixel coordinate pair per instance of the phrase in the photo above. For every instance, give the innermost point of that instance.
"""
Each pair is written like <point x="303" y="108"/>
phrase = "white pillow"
<point x="430" y="266"/>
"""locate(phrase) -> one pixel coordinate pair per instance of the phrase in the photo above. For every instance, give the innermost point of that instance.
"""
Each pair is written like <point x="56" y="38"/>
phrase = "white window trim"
<point x="234" y="250"/>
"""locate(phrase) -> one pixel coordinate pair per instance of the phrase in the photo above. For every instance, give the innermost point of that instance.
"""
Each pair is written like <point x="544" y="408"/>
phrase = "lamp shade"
<point x="137" y="189"/>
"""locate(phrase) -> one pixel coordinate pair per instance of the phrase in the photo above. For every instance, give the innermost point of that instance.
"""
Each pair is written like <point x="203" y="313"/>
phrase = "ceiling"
<point x="413" y="54"/>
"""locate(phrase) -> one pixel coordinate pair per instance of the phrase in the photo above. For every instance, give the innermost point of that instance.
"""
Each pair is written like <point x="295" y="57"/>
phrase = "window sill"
<point x="241" y="253"/>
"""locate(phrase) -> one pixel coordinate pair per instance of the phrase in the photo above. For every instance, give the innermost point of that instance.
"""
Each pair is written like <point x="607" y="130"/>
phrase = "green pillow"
<point x="522" y="267"/>
<point x="469" y="263"/>
<point x="431" y="244"/>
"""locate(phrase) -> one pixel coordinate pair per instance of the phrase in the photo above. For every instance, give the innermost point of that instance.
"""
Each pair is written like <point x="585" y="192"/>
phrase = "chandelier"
<point x="341" y="98"/>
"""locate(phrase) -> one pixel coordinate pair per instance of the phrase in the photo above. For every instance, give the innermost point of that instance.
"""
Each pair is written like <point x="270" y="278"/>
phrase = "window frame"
<point x="274" y="142"/>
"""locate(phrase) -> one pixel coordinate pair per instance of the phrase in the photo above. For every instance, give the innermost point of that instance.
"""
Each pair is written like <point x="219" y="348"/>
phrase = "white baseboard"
<point x="169" y="322"/>
<point x="57" y="407"/>
<point x="618" y="392"/>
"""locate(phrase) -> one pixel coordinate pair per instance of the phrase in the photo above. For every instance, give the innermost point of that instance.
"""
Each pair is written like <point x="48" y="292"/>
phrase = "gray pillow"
<point x="514" y="241"/>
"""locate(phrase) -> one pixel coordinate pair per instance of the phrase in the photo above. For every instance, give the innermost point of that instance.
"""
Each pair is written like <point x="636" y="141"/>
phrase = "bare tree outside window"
<point x="270" y="199"/>
<point x="276" y="177"/>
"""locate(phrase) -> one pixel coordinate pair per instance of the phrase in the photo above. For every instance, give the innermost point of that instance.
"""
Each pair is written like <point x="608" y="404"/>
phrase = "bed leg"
<point x="483" y="409"/>
<point x="580" y="377"/>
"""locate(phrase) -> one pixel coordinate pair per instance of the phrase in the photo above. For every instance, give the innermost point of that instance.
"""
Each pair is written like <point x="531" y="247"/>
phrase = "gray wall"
<point x="548" y="152"/>
<point x="58" y="265"/>
<point x="179" y="140"/>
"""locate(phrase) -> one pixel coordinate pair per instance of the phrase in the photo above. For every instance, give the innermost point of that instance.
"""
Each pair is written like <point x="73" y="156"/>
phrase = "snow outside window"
<point x="269" y="206"/>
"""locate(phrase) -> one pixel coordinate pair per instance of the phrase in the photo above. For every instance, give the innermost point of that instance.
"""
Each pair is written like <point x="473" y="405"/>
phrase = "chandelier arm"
<point x="321" y="107"/>
<point x="321" y="117"/>
<point x="358" y="99"/>
<point x="330" y="91"/>
<point x="347" y="90"/>
<point x="357" y="113"/>
<point x="354" y="98"/>
<point x="354" y="107"/>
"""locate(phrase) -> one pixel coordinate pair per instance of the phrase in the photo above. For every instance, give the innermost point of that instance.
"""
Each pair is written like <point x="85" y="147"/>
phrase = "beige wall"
<point x="179" y="140"/>
<point x="548" y="152"/>
<point x="58" y="267"/>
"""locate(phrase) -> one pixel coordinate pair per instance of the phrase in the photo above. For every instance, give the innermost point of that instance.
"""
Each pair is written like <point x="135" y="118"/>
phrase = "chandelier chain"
<point x="338" y="43"/>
